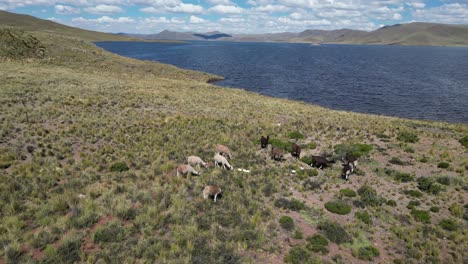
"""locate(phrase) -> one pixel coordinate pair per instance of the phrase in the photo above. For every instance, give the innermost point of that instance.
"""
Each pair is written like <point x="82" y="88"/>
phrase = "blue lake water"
<point x="413" y="82"/>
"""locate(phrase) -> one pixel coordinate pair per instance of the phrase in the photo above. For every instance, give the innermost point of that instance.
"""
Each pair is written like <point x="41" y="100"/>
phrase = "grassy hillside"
<point x="415" y="34"/>
<point x="30" y="23"/>
<point x="89" y="143"/>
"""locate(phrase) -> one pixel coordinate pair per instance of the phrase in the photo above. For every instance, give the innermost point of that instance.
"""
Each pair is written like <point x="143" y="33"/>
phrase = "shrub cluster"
<point x="407" y="137"/>
<point x="369" y="196"/>
<point x="357" y="150"/>
<point x="428" y="185"/>
<point x="348" y="193"/>
<point x="338" y="207"/>
<point x="317" y="243"/>
<point x="421" y="216"/>
<point x="334" y="232"/>
<point x="294" y="205"/>
<point x="364" y="216"/>
<point x="286" y="222"/>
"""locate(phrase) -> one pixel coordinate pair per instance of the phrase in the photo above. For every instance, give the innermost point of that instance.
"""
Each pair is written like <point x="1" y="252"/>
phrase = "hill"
<point x="30" y="23"/>
<point x="90" y="141"/>
<point x="414" y="34"/>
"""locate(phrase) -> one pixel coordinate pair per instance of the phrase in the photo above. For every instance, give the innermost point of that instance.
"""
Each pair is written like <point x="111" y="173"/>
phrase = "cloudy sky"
<point x="238" y="16"/>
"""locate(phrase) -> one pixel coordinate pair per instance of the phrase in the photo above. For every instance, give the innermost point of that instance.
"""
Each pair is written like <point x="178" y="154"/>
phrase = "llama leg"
<point x="216" y="195"/>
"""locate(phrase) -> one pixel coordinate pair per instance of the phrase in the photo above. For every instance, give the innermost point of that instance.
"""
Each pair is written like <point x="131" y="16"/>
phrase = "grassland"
<point x="89" y="142"/>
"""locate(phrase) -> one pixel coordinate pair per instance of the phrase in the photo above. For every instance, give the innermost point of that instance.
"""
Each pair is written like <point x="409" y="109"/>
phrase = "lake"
<point x="413" y="82"/>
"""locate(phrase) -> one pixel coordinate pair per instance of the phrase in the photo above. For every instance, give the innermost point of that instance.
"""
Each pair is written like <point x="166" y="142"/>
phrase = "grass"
<point x="348" y="193"/>
<point x="68" y="117"/>
<point x="286" y="222"/>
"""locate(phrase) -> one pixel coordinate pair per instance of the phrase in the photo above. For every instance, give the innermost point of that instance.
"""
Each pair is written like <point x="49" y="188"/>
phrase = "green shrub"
<point x="413" y="193"/>
<point x="119" y="167"/>
<point x="286" y="222"/>
<point x="357" y="150"/>
<point x="464" y="141"/>
<point x="110" y="233"/>
<point x="364" y="216"/>
<point x="413" y="204"/>
<point x="424" y="159"/>
<point x="338" y="207"/>
<point x="449" y="224"/>
<point x="434" y="209"/>
<point x="403" y="177"/>
<point x="407" y="137"/>
<point x="456" y="210"/>
<point x="369" y="196"/>
<point x="296" y="135"/>
<point x="421" y="216"/>
<point x="311" y="145"/>
<point x="398" y="161"/>
<point x="392" y="203"/>
<point x="334" y="232"/>
<point x="43" y="238"/>
<point x="285" y="145"/>
<point x="317" y="243"/>
<point x="428" y="185"/>
<point x="294" y="205"/>
<point x="69" y="251"/>
<point x="367" y="253"/>
<point x="306" y="160"/>
<point x="298" y="234"/>
<point x="348" y="192"/>
<point x="444" y="180"/>
<point x="297" y="255"/>
<point x="443" y="165"/>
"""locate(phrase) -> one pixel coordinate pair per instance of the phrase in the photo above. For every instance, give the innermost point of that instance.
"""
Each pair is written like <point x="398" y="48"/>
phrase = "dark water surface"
<point x="413" y="82"/>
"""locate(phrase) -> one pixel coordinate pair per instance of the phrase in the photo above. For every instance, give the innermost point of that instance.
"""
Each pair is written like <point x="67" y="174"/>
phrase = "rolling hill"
<point x="430" y="34"/>
<point x="30" y="23"/>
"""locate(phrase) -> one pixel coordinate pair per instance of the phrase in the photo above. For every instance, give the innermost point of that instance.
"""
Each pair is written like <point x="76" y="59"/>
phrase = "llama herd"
<point x="223" y="153"/>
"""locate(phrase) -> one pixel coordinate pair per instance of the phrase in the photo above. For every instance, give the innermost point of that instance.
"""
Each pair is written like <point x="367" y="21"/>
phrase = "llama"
<point x="184" y="169"/>
<point x="350" y="158"/>
<point x="196" y="161"/>
<point x="320" y="162"/>
<point x="211" y="190"/>
<point x="223" y="150"/>
<point x="347" y="170"/>
<point x="277" y="153"/>
<point x="264" y="141"/>
<point x="221" y="161"/>
<point x="296" y="150"/>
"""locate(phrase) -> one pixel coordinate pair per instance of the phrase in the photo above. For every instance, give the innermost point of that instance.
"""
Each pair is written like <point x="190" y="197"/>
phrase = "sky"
<point x="238" y="16"/>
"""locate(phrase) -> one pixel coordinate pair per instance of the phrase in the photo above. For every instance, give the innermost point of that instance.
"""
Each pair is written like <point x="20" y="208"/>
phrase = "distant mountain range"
<point x="401" y="34"/>
<point x="416" y="33"/>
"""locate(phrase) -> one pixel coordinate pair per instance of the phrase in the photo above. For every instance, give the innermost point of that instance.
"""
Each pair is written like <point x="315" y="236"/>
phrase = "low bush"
<point x="413" y="204"/>
<point x="424" y="159"/>
<point x="334" y="232"/>
<point x="434" y="209"/>
<point x="428" y="185"/>
<point x="297" y="255"/>
<point x="296" y="135"/>
<point x="367" y="253"/>
<point x="317" y="243"/>
<point x="286" y="222"/>
<point x="449" y="224"/>
<point x="365" y="217"/>
<point x="421" y="216"/>
<point x="398" y="161"/>
<point x="444" y="180"/>
<point x="110" y="233"/>
<point x="348" y="192"/>
<point x="338" y="207"/>
<point x="403" y="177"/>
<point x="298" y="234"/>
<point x="294" y="205"/>
<point x="119" y="167"/>
<point x="357" y="150"/>
<point x="69" y="251"/>
<point x="443" y="165"/>
<point x="369" y="196"/>
<point x="392" y="203"/>
<point x="464" y="141"/>
<point x="407" y="137"/>
<point x="456" y="210"/>
<point x="306" y="160"/>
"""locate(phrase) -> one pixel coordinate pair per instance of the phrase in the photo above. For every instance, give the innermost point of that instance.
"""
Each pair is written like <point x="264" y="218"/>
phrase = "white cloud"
<point x="271" y="8"/>
<point x="104" y="9"/>
<point x="196" y="20"/>
<point x="448" y="13"/>
<point x="219" y="2"/>
<point x="397" y="16"/>
<point x="103" y="19"/>
<point x="417" y="5"/>
<point x="185" y="8"/>
<point x="66" y="10"/>
<point x="226" y="9"/>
